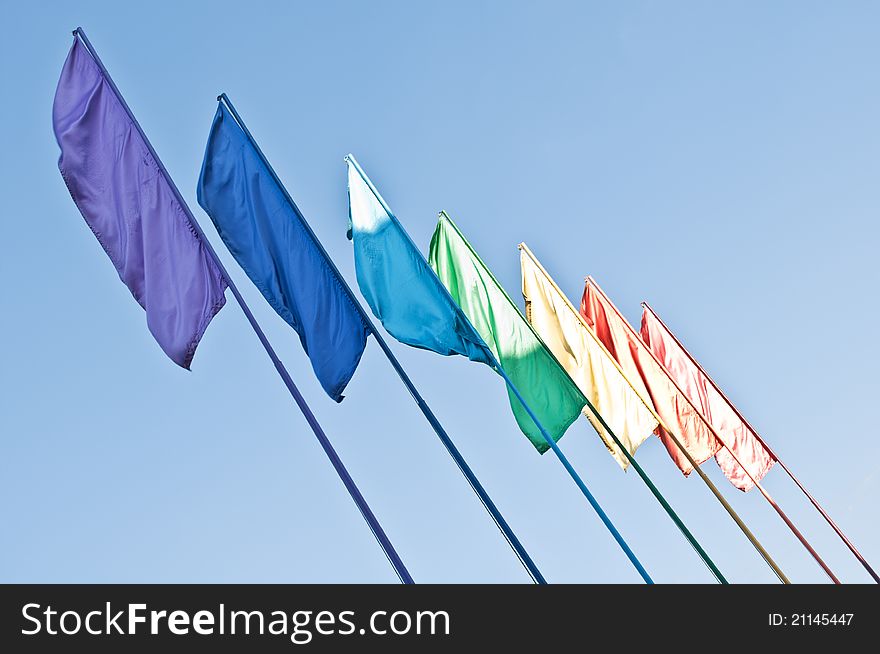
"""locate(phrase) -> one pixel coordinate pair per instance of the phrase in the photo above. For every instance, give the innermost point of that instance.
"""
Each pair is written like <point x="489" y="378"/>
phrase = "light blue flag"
<point x="397" y="282"/>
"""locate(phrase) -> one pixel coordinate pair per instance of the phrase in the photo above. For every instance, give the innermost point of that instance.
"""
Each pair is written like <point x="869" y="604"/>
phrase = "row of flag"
<point x="558" y="362"/>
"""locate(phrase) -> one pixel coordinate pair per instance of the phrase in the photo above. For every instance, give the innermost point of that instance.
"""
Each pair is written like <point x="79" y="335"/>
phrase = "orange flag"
<point x="711" y="403"/>
<point x="650" y="380"/>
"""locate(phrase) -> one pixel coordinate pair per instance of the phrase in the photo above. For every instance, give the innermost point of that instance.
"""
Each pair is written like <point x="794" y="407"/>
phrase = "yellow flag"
<point x="585" y="360"/>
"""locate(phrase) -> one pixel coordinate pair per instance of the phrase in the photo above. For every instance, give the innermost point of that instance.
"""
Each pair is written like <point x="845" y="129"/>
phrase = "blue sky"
<point x="716" y="159"/>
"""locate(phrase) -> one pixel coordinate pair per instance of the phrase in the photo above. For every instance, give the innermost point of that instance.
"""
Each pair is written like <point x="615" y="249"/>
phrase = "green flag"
<point x="543" y="383"/>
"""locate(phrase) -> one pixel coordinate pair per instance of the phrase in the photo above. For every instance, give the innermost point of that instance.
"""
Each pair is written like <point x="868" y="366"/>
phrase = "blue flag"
<point x="397" y="282"/>
<point x="269" y="239"/>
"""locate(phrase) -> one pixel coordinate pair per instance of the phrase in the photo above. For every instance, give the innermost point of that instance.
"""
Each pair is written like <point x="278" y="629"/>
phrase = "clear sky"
<point x="719" y="160"/>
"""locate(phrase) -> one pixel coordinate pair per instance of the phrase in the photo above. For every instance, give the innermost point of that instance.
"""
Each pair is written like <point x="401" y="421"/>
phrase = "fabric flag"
<point x="398" y="284"/>
<point x="543" y="383"/>
<point x="650" y="380"/>
<point x="266" y="235"/>
<point x="130" y="206"/>
<point x="716" y="409"/>
<point x="586" y="361"/>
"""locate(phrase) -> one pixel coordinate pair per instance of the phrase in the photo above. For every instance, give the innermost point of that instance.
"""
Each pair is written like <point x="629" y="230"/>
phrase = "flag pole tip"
<point x="219" y="97"/>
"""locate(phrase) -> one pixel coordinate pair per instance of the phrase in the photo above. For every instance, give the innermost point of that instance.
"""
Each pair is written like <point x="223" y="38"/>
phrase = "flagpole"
<point x="715" y="433"/>
<point x="574" y="475"/>
<point x="346" y="478"/>
<point x="711" y="486"/>
<point x="815" y="503"/>
<point x="496" y="365"/>
<point x="638" y="468"/>
<point x="517" y="547"/>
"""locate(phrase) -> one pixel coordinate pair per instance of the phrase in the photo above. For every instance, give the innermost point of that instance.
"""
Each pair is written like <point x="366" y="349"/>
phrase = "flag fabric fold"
<point x="268" y="238"/>
<point x="586" y="361"/>
<point x="543" y="383"/>
<point x="131" y="208"/>
<point x="651" y="380"/>
<point x="401" y="288"/>
<point x="712" y="404"/>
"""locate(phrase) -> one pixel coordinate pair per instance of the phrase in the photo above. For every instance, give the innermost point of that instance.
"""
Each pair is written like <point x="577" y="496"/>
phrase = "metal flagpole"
<point x="553" y="446"/>
<point x="815" y="503"/>
<point x="711" y="486"/>
<point x="575" y="476"/>
<point x="349" y="483"/>
<point x="465" y="469"/>
<point x="715" y="433"/>
<point x="638" y="468"/>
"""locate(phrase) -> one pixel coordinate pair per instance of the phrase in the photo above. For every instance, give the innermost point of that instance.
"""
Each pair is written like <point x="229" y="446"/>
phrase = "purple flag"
<point x="132" y="210"/>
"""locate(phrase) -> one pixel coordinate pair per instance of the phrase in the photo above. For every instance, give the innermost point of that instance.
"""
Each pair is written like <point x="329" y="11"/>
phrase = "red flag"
<point x="712" y="404"/>
<point x="650" y="379"/>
